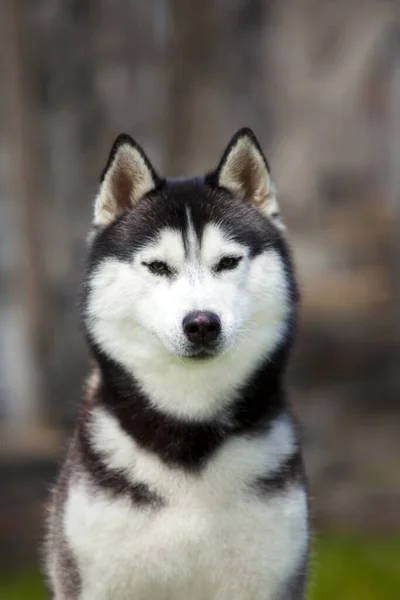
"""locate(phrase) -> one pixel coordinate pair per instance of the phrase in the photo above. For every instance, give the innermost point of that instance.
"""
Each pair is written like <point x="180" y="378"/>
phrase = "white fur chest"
<point x="215" y="538"/>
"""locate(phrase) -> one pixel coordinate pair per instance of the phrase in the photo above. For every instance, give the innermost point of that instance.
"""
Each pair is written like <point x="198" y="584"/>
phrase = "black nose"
<point x="201" y="326"/>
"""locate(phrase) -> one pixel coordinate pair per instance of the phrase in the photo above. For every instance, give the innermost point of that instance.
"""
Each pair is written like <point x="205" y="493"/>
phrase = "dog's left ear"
<point x="127" y="177"/>
<point x="244" y="171"/>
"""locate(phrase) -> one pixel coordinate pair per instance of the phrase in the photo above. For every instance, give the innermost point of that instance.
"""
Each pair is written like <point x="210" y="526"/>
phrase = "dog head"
<point x="188" y="272"/>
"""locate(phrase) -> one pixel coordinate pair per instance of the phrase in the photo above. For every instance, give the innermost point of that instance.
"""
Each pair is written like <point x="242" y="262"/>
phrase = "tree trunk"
<point x="29" y="281"/>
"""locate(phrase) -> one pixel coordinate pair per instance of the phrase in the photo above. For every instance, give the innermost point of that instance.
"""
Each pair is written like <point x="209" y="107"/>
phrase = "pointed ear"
<point x="244" y="171"/>
<point x="127" y="177"/>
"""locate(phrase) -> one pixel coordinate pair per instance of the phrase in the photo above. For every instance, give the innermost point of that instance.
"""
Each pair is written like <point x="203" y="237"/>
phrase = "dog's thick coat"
<point x="184" y="477"/>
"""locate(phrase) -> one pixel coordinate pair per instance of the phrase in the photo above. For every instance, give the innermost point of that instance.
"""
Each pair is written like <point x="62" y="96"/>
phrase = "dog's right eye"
<point x="158" y="267"/>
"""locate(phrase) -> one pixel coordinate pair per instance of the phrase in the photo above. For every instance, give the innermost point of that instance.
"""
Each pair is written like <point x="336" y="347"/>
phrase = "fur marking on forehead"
<point x="179" y="247"/>
<point x="192" y="242"/>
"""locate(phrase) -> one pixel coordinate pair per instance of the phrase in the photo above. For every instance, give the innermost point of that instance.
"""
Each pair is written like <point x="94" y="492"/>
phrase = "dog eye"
<point x="158" y="267"/>
<point x="227" y="263"/>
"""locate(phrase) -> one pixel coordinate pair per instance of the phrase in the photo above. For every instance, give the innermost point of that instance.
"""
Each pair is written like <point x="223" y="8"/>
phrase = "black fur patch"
<point x="112" y="480"/>
<point x="67" y="571"/>
<point x="183" y="443"/>
<point x="296" y="588"/>
<point x="288" y="473"/>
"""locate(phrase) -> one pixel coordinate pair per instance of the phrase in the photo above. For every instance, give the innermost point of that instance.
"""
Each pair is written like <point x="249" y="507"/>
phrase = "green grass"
<point x="28" y="586"/>
<point x="348" y="568"/>
<point x="343" y="568"/>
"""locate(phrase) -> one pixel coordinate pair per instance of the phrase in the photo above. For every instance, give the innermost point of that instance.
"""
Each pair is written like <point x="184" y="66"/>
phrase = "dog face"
<point x="188" y="273"/>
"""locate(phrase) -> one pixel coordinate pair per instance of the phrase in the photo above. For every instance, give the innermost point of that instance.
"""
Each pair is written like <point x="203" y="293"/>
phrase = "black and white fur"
<point x="184" y="477"/>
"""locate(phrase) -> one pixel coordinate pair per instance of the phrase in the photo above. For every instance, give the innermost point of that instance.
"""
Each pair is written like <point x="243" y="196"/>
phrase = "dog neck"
<point x="181" y="441"/>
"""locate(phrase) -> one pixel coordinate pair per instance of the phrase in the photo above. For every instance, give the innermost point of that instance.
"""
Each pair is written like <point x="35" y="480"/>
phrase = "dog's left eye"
<point x="158" y="267"/>
<point x="227" y="263"/>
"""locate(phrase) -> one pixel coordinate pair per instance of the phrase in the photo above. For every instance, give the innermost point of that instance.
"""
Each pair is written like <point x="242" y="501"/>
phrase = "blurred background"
<point x="319" y="82"/>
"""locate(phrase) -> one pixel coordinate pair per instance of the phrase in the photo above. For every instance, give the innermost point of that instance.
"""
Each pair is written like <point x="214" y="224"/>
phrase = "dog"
<point x="184" y="477"/>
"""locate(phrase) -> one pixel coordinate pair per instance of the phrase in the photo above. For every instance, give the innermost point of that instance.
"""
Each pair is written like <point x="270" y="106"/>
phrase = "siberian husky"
<point x="184" y="477"/>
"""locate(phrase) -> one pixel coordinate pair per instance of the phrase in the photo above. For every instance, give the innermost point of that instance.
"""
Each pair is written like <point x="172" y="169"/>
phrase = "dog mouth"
<point x="202" y="353"/>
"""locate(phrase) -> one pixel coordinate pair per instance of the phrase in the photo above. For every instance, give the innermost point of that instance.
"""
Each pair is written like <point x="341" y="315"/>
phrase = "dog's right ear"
<point x="127" y="177"/>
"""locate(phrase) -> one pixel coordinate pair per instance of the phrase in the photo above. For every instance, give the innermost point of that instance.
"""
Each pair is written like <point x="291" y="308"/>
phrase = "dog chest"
<point x="213" y="551"/>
